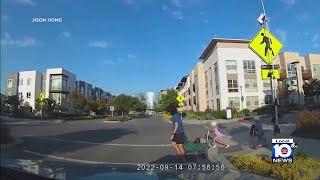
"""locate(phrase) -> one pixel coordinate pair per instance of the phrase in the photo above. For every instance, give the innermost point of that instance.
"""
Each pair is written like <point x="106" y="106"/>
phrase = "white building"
<point x="25" y="85"/>
<point x="59" y="84"/>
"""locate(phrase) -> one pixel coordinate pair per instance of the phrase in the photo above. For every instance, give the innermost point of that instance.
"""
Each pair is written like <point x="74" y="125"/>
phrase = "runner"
<point x="218" y="135"/>
<point x="253" y="137"/>
<point x="178" y="135"/>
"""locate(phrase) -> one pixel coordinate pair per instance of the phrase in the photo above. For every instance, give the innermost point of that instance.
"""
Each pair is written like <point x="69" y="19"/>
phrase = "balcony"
<point x="306" y="74"/>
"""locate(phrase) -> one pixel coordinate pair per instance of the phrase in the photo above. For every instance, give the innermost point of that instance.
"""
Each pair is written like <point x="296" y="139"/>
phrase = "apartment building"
<point x="85" y="89"/>
<point x="56" y="83"/>
<point x="305" y="68"/>
<point x="229" y="76"/>
<point x="24" y="84"/>
<point x="192" y="87"/>
<point x="59" y="84"/>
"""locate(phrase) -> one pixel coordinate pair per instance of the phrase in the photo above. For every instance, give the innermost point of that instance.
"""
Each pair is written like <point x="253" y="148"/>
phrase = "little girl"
<point x="218" y="135"/>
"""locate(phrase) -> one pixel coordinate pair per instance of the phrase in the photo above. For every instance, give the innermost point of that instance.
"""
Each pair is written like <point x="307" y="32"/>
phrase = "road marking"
<point x="107" y="144"/>
<point x="76" y="160"/>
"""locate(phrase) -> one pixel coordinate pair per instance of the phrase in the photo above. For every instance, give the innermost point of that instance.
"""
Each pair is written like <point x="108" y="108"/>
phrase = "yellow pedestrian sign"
<point x="180" y="98"/>
<point x="265" y="45"/>
<point x="41" y="96"/>
<point x="265" y="74"/>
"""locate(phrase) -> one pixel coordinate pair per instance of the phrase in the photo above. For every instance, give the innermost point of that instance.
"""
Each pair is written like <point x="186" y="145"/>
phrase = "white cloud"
<point x="289" y="3"/>
<point x="25" y="2"/>
<point x="99" y="44"/>
<point x="205" y="21"/>
<point x="283" y="34"/>
<point x="131" y="3"/>
<point x="165" y="8"/>
<point x="25" y="42"/>
<point x="177" y="3"/>
<point x="303" y="17"/>
<point x="315" y="37"/>
<point x="131" y="56"/>
<point x="177" y="15"/>
<point x="65" y="34"/>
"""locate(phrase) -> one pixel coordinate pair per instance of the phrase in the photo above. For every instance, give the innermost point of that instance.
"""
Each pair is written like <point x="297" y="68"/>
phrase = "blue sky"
<point x="127" y="46"/>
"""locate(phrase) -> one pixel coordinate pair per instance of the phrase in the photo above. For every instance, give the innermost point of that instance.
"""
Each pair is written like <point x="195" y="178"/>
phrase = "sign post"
<point x="41" y="98"/>
<point x="112" y="109"/>
<point x="267" y="47"/>
<point x="180" y="98"/>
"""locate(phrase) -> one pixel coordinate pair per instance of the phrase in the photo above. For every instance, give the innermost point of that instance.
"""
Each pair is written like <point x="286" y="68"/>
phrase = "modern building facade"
<point x="24" y="84"/>
<point x="229" y="76"/>
<point x="59" y="84"/>
<point x="55" y="83"/>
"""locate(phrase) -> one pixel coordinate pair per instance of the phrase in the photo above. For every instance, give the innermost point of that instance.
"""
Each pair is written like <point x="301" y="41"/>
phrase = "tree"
<point x="77" y="101"/>
<point x="124" y="103"/>
<point x="283" y="93"/>
<point x="168" y="102"/>
<point x="14" y="102"/>
<point x="47" y="105"/>
<point x="101" y="106"/>
<point x="311" y="89"/>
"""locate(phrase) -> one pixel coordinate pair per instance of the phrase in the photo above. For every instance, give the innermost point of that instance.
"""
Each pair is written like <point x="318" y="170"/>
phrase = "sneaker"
<point x="213" y="146"/>
<point x="227" y="146"/>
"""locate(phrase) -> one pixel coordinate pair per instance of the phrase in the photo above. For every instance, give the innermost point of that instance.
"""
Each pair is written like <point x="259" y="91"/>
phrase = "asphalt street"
<point x="135" y="141"/>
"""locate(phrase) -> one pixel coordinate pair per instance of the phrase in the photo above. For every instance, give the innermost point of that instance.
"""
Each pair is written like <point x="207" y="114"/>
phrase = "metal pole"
<point x="298" y="84"/>
<point x="274" y="99"/>
<point x="241" y="101"/>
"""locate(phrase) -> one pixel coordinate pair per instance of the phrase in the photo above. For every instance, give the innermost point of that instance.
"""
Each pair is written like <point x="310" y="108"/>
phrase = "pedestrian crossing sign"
<point x="180" y="98"/>
<point x="41" y="96"/>
<point x="265" y="45"/>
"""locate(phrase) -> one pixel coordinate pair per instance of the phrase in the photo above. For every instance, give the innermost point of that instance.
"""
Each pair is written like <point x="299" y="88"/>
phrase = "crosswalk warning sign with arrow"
<point x="265" y="45"/>
<point x="180" y="98"/>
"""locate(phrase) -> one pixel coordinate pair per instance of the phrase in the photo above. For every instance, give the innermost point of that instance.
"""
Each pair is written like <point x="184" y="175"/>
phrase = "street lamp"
<point x="296" y="67"/>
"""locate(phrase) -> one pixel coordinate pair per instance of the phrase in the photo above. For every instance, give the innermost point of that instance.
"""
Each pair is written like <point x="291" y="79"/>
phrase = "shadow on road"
<point x="48" y="144"/>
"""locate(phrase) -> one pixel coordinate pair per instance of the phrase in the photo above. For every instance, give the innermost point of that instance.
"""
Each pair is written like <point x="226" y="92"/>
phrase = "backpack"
<point x="253" y="130"/>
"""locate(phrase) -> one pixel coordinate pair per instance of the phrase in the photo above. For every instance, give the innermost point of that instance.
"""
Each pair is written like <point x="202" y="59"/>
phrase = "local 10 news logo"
<point x="283" y="150"/>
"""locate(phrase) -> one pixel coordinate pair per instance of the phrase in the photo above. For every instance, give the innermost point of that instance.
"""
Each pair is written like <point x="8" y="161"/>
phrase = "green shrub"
<point x="264" y="110"/>
<point x="308" y="124"/>
<point x="208" y="115"/>
<point x="301" y="168"/>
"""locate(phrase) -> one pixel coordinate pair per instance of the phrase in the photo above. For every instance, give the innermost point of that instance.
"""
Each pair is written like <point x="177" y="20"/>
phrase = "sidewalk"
<point x="239" y="143"/>
<point x="20" y="121"/>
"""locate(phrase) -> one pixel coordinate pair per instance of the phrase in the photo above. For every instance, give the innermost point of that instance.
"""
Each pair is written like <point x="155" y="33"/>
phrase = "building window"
<point x="28" y="94"/>
<point x="252" y="102"/>
<point x="194" y="87"/>
<point x="249" y="66"/>
<point x="194" y="100"/>
<point x="20" y="82"/>
<point x="206" y="78"/>
<point x="234" y="102"/>
<point x="316" y="68"/>
<point x="58" y="82"/>
<point x="291" y="68"/>
<point x="267" y="99"/>
<point x="231" y="66"/>
<point x="28" y="81"/>
<point x="9" y="84"/>
<point x="20" y="95"/>
<point x="251" y="85"/>
<point x="189" y="102"/>
<point x="218" y="104"/>
<point x="233" y="85"/>
<point x="216" y="77"/>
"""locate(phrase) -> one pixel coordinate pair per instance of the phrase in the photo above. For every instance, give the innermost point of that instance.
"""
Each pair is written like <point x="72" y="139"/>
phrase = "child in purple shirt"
<point x="218" y="135"/>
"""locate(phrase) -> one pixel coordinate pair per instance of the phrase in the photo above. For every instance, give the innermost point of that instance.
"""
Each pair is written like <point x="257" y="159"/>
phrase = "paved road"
<point x="136" y="141"/>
